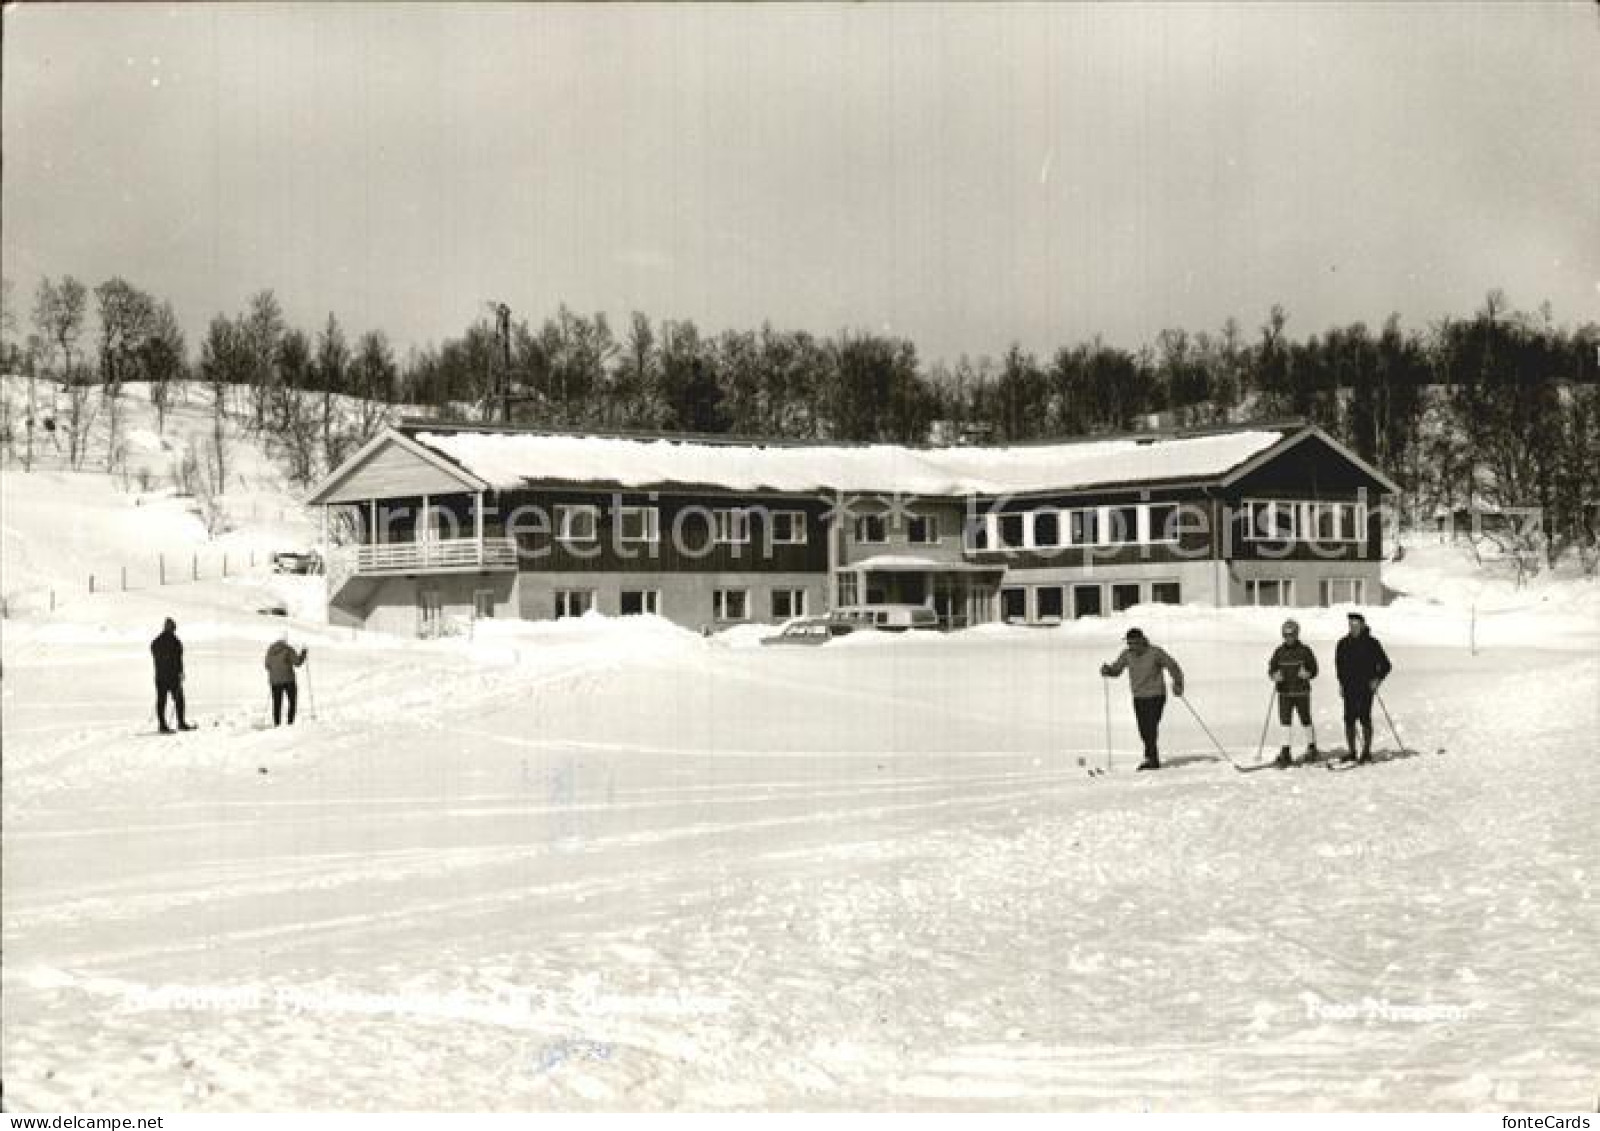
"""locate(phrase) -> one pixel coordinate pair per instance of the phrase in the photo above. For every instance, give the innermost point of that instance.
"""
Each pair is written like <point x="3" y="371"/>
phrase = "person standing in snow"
<point x="1361" y="665"/>
<point x="167" y="652"/>
<point x="282" y="659"/>
<point x="1144" y="663"/>
<point x="1292" y="668"/>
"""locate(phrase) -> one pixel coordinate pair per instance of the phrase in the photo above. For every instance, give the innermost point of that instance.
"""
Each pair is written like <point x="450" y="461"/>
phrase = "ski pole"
<point x="1220" y="750"/>
<point x="1272" y="697"/>
<point x="1106" y="687"/>
<point x="1388" y="718"/>
<point x="311" y="691"/>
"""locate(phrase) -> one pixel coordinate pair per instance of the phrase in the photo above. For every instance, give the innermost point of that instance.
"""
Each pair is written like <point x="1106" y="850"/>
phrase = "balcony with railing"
<point x="425" y="556"/>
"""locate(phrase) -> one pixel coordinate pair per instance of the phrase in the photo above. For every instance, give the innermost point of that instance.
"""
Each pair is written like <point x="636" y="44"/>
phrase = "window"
<point x="977" y="531"/>
<point x="1122" y="524"/>
<point x="1010" y="531"/>
<point x="731" y="527"/>
<point x="1272" y="522"/>
<point x="1086" y="600"/>
<point x="788" y="603"/>
<point x="483" y="603"/>
<point x="638" y="524"/>
<point x="1332" y="522"/>
<point x="1085" y="527"/>
<point x="922" y="529"/>
<point x="1049" y="600"/>
<point x="573" y="602"/>
<point x="731" y="604"/>
<point x="1344" y="591"/>
<point x="1271" y="592"/>
<point x="1124" y="595"/>
<point x="1163" y="522"/>
<point x="638" y="602"/>
<point x="872" y="528"/>
<point x="788" y="528"/>
<point x="1047" y="528"/>
<point x="1014" y="604"/>
<point x="578" y="523"/>
<point x="849" y="591"/>
<point x="1165" y="593"/>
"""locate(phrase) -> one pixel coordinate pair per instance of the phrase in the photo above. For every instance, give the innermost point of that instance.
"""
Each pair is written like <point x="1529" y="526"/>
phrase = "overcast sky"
<point x="965" y="176"/>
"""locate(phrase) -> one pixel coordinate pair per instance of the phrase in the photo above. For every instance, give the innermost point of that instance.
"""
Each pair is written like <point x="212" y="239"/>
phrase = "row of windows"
<point x="726" y="604"/>
<point x="1280" y="520"/>
<point x="1274" y="591"/>
<point x="921" y="530"/>
<point x="1051" y="604"/>
<point x="1064" y="527"/>
<point x="580" y="522"/>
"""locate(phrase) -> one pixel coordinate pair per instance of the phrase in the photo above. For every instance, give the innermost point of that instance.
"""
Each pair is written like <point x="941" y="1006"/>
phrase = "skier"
<point x="167" y="652"/>
<point x="282" y="659"/>
<point x="1144" y="663"/>
<point x="1361" y="665"/>
<point x="1292" y="667"/>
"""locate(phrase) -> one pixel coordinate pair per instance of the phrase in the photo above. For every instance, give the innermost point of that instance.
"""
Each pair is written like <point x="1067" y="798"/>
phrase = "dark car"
<point x="297" y="561"/>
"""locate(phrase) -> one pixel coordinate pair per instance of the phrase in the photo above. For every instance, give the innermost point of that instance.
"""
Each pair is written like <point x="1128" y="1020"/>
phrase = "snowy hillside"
<point x="610" y="864"/>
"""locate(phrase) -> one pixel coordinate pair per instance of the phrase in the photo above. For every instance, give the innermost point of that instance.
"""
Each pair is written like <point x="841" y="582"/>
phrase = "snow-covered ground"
<point x="611" y="864"/>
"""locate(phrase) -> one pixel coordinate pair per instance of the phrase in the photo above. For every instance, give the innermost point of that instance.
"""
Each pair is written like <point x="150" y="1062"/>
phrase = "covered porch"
<point x="960" y="593"/>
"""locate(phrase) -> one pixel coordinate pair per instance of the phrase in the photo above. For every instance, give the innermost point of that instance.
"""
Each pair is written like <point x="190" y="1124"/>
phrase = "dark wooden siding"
<point x="691" y="551"/>
<point x="1309" y="470"/>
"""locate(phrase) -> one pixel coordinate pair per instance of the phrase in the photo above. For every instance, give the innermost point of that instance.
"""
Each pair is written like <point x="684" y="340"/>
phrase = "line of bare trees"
<point x="1498" y="408"/>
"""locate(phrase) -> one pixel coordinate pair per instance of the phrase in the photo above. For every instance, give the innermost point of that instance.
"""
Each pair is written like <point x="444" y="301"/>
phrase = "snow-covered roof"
<point x="510" y="459"/>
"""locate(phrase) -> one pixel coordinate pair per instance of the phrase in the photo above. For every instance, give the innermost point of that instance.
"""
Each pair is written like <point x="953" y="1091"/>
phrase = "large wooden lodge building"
<point x="431" y="523"/>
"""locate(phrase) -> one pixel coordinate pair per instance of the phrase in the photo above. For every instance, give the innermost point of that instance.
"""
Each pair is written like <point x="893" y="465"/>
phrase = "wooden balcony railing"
<point x="439" y="555"/>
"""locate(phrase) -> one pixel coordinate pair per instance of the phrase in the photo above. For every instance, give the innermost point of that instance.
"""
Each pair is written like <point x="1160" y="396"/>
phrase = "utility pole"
<point x="500" y="383"/>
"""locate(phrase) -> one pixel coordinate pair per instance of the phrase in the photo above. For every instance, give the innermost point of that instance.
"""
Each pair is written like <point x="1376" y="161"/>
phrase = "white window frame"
<point x="651" y="531"/>
<point x="1063" y="528"/>
<point x="649" y="603"/>
<point x="567" y="512"/>
<point x="1072" y="599"/>
<point x="849" y="588"/>
<point x="1129" y="537"/>
<point x="798" y="603"/>
<point x="719" y="605"/>
<point x="1110" y="597"/>
<point x="1344" y="521"/>
<point x="1147" y="525"/>
<point x="1071" y="539"/>
<point x="931" y="529"/>
<point x="731" y="526"/>
<point x="564" y="602"/>
<point x="1172" y="581"/>
<point x="477" y="604"/>
<point x="1027" y="603"/>
<point x="797" y="528"/>
<point x="1255" y="531"/>
<point x="1357" y="591"/>
<point x="1025" y="531"/>
<point x="1037" y="603"/>
<point x="861" y="525"/>
<point x="1286" y="593"/>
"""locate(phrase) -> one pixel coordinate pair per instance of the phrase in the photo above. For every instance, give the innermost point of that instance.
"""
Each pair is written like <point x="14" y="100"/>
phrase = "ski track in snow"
<point x="725" y="879"/>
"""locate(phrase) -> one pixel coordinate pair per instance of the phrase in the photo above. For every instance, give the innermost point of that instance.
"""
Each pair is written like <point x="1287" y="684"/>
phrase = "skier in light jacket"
<point x="281" y="661"/>
<point x="1144" y="663"/>
<point x="1292" y="667"/>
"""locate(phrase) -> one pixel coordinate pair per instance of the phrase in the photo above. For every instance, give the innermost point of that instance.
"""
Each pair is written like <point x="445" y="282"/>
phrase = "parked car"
<point x="887" y="618"/>
<point x="809" y="631"/>
<point x="297" y="561"/>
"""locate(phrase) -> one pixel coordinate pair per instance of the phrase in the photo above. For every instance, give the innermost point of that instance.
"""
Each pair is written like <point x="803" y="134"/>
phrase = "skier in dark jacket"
<point x="167" y="651"/>
<point x="1144" y="663"/>
<point x="1292" y="668"/>
<point x="1361" y="665"/>
<point x="281" y="661"/>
